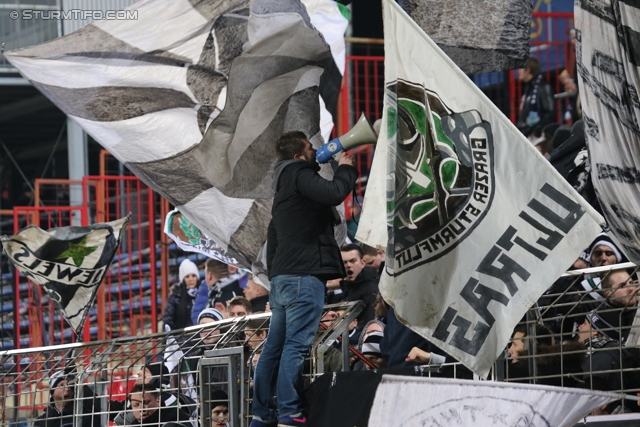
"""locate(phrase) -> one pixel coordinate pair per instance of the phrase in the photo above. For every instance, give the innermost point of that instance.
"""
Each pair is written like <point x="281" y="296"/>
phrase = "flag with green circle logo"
<point x="475" y="222"/>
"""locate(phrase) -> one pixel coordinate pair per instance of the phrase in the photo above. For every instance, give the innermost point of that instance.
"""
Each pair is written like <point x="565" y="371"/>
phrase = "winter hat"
<point x="187" y="267"/>
<point x="371" y="344"/>
<point x="605" y="240"/>
<point x="56" y="378"/>
<point x="159" y="373"/>
<point x="210" y="313"/>
<point x="606" y="323"/>
<point x="218" y="397"/>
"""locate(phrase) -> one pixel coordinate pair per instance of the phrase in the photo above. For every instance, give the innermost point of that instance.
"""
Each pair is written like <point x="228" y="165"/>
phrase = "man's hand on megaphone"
<point x="346" y="159"/>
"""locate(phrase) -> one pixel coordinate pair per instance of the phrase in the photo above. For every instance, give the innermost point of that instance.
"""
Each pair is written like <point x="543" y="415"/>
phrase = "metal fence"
<point x="561" y="341"/>
<point x="583" y="332"/>
<point x="199" y="360"/>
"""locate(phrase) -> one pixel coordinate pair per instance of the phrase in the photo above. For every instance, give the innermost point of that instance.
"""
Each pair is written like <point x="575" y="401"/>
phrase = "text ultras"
<point x="478" y="296"/>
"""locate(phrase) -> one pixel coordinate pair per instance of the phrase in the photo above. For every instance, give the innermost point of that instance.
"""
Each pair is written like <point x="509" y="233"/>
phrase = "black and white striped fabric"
<point x="192" y="95"/>
<point x="608" y="62"/>
<point x="479" y="36"/>
<point x="68" y="262"/>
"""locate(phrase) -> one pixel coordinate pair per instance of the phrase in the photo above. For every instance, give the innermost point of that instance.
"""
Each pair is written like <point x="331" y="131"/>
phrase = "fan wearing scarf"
<point x="537" y="107"/>
<point x="177" y="312"/>
<point x="371" y="350"/>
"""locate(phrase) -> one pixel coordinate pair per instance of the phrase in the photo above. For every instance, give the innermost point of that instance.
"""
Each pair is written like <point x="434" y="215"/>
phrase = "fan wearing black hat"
<point x="219" y="408"/>
<point x="61" y="408"/>
<point x="600" y="334"/>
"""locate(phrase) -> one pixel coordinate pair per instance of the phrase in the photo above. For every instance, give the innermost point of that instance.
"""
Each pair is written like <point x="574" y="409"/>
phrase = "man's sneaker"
<point x="258" y="423"/>
<point x="292" y="421"/>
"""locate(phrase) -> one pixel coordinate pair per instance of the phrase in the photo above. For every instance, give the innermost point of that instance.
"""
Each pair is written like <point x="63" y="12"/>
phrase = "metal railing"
<point x="584" y="332"/>
<point x="199" y="359"/>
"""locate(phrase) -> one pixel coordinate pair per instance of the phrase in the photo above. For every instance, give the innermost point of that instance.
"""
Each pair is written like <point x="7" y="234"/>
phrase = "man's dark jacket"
<point x="300" y="236"/>
<point x="364" y="288"/>
<point x="51" y="417"/>
<point x="607" y="361"/>
<point x="177" y="311"/>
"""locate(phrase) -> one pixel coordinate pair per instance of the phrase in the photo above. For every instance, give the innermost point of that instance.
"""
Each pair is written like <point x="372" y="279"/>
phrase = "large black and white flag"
<point x="68" y="262"/>
<point x="191" y="96"/>
<point x="608" y="51"/>
<point x="478" y="223"/>
<point x="479" y="36"/>
<point x="445" y="402"/>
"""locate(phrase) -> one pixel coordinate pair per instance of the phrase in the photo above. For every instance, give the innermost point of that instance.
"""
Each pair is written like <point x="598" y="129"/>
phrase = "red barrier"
<point x="128" y="299"/>
<point x="132" y="278"/>
<point x="45" y="218"/>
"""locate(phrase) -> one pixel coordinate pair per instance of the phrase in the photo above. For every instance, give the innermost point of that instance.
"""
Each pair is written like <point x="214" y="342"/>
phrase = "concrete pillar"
<point x="78" y="165"/>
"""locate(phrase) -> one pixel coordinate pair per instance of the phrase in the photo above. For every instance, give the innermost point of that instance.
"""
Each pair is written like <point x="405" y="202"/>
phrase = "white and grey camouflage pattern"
<point x="191" y="97"/>
<point x="479" y="36"/>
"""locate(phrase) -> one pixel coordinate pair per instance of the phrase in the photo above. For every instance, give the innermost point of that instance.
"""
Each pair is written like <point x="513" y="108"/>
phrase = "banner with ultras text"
<point x="479" y="224"/>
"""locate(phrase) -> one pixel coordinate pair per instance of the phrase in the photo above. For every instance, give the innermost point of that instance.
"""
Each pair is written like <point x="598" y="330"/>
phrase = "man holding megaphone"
<point x="302" y="254"/>
<point x="361" y="134"/>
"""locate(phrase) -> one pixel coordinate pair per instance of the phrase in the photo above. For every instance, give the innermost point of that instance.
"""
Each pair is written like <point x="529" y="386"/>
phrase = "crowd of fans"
<point x="583" y="332"/>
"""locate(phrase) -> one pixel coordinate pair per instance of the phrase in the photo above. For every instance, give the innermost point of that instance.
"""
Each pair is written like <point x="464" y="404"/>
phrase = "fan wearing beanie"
<point x="601" y="252"/>
<point x="371" y="350"/>
<point x="210" y="315"/>
<point x="219" y="401"/>
<point x="62" y="405"/>
<point x="177" y="312"/>
<point x="604" y="252"/>
<point x="579" y="297"/>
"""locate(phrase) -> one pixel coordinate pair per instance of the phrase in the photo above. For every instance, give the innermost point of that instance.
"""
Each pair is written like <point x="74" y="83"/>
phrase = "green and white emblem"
<point x="440" y="175"/>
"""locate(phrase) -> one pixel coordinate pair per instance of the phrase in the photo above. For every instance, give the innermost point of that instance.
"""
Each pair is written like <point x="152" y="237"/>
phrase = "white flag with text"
<point x="447" y="402"/>
<point x="478" y="223"/>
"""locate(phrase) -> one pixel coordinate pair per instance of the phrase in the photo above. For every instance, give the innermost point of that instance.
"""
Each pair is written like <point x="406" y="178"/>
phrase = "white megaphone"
<point x="362" y="133"/>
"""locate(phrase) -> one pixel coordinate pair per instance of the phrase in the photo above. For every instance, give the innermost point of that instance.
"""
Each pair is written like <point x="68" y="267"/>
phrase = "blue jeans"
<point x="296" y="308"/>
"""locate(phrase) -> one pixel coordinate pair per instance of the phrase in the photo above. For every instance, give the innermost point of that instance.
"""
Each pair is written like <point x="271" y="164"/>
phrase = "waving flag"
<point x="68" y="262"/>
<point x="482" y="36"/>
<point x="479" y="224"/>
<point x="191" y="97"/>
<point x="190" y="238"/>
<point x="608" y="60"/>
<point x="447" y="402"/>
